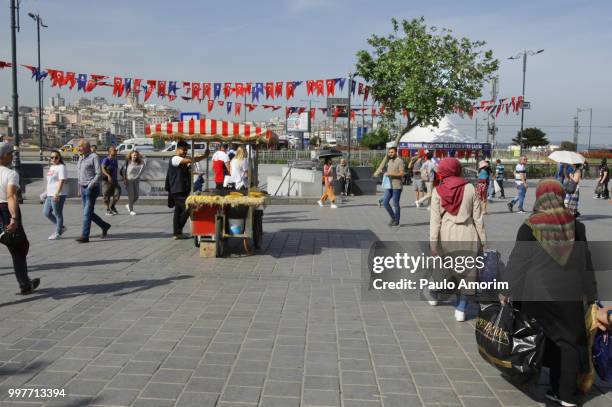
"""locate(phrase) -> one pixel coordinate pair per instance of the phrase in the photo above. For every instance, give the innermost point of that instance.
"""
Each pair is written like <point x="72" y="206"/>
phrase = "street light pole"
<point x="39" y="22"/>
<point x="590" y="109"/>
<point x="524" y="56"/>
<point x="14" y="28"/>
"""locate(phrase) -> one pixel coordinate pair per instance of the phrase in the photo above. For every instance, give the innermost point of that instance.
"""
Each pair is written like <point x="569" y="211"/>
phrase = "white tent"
<point x="444" y="136"/>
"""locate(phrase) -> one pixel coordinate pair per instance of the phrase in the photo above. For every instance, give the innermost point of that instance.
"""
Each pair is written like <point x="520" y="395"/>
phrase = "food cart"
<point x="219" y="215"/>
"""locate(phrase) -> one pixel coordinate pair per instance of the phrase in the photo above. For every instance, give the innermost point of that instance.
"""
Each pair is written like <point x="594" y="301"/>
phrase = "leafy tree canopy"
<point x="531" y="137"/>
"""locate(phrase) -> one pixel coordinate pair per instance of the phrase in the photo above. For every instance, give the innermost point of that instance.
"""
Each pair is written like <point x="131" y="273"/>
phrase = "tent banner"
<point x="455" y="146"/>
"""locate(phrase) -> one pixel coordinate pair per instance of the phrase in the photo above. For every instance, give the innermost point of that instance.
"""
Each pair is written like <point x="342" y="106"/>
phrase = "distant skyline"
<point x="263" y="41"/>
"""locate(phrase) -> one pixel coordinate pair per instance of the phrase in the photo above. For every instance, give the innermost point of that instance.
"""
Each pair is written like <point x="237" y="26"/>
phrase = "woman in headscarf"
<point x="551" y="279"/>
<point x="456" y="222"/>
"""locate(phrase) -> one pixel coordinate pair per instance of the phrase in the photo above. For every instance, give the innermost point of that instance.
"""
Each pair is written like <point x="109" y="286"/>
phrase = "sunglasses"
<point x="54" y="157"/>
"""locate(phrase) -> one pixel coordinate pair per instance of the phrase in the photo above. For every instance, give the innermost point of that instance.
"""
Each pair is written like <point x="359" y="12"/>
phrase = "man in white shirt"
<point x="520" y="178"/>
<point x="12" y="234"/>
<point x="221" y="166"/>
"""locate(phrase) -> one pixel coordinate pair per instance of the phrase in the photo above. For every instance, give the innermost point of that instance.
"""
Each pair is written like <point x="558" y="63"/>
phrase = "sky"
<point x="273" y="40"/>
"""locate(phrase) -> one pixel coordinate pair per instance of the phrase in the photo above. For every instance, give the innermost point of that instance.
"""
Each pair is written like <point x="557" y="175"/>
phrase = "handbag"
<point x="570" y="186"/>
<point x="509" y="341"/>
<point x="386" y="182"/>
<point x="602" y="354"/>
<point x="599" y="189"/>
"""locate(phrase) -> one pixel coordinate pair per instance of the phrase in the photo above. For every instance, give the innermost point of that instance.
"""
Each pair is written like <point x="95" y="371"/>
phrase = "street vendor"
<point x="221" y="165"/>
<point x="178" y="185"/>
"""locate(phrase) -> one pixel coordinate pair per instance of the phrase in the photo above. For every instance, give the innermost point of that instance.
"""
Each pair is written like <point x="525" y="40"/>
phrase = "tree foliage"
<point x="426" y="70"/>
<point x="531" y="137"/>
<point x="568" y="146"/>
<point x="376" y="140"/>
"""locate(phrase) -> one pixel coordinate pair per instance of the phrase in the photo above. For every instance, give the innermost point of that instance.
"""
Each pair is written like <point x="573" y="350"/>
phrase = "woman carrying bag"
<point x="131" y="172"/>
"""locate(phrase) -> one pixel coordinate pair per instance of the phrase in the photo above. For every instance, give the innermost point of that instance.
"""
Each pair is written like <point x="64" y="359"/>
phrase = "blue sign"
<point x="190" y="116"/>
<point x="361" y="131"/>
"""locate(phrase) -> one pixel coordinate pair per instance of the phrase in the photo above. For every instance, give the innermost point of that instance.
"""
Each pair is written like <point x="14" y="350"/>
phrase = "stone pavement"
<point x="140" y="320"/>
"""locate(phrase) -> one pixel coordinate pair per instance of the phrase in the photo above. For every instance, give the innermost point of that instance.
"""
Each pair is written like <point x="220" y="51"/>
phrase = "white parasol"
<point x="567" y="157"/>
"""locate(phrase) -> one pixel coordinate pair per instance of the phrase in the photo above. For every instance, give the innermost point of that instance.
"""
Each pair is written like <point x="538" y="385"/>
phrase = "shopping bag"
<point x="386" y="182"/>
<point x="602" y="354"/>
<point x="586" y="380"/>
<point x="496" y="186"/>
<point x="509" y="341"/>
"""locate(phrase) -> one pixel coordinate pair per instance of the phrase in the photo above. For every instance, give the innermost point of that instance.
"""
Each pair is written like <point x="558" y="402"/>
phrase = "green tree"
<point x="158" y="143"/>
<point x="425" y="70"/>
<point x="531" y="137"/>
<point x="314" y="141"/>
<point x="568" y="146"/>
<point x="376" y="140"/>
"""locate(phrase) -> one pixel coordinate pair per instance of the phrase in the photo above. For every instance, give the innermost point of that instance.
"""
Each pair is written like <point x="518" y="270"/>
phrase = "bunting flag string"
<point x="209" y="92"/>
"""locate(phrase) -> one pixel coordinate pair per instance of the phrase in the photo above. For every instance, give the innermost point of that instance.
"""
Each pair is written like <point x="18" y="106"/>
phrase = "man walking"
<point x="395" y="172"/>
<point x="601" y="191"/>
<point x="343" y="172"/>
<point x="499" y="178"/>
<point x="419" y="185"/>
<point x="178" y="185"/>
<point x="427" y="177"/>
<point x="111" y="191"/>
<point x="520" y="178"/>
<point x="89" y="174"/>
<point x="12" y="234"/>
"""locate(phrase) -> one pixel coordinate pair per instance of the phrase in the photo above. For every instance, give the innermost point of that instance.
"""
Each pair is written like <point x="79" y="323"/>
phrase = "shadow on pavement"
<point x="287" y="219"/>
<point x="92" y="263"/>
<point x="60" y="293"/>
<point x="135" y="236"/>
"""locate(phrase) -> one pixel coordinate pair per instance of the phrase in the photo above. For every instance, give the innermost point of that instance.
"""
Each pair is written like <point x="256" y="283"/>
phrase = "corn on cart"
<point x="219" y="215"/>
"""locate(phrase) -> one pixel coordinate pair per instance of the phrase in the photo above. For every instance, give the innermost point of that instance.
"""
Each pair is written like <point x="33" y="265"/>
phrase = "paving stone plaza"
<point x="141" y="320"/>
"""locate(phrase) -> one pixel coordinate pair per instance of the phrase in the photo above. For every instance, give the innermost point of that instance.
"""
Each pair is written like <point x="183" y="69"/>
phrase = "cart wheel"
<point x="196" y="241"/>
<point x="247" y="246"/>
<point x="257" y="229"/>
<point x="219" y="239"/>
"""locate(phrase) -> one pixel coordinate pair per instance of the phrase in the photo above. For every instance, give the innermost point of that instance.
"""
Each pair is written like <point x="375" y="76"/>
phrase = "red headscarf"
<point x="452" y="186"/>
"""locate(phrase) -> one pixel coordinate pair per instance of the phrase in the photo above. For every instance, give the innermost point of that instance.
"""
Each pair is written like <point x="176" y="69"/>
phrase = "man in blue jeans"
<point x="520" y="178"/>
<point x="89" y="174"/>
<point x="395" y="172"/>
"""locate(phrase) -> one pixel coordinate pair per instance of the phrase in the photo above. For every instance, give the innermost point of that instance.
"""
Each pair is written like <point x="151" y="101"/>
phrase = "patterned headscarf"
<point x="551" y="223"/>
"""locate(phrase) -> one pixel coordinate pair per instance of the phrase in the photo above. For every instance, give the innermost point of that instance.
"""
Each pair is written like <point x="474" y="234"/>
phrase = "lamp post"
<point x="14" y="29"/>
<point x="350" y="85"/>
<point x="39" y="23"/>
<point x="524" y="56"/>
<point x="590" y="110"/>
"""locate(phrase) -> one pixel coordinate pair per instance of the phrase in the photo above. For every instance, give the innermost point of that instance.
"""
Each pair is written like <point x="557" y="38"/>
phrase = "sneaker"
<point x="54" y="236"/>
<point x="333" y="206"/>
<point x="459" y="316"/>
<point x="394" y="223"/>
<point x="64" y="228"/>
<point x="521" y="211"/>
<point x="379" y="203"/>
<point x="182" y="236"/>
<point x="320" y="203"/>
<point x="553" y="397"/>
<point x="109" y="213"/>
<point x="82" y="239"/>
<point x="132" y="213"/>
<point x="105" y="232"/>
<point x="416" y="203"/>
<point x="34" y="283"/>
<point x="433" y="303"/>
<point x="510" y="206"/>
<point x="114" y="210"/>
<point x="127" y="206"/>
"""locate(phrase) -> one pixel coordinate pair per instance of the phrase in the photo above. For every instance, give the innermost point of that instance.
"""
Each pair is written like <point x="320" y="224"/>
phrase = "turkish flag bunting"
<point x="310" y="87"/>
<point x="136" y="87"/>
<point x="211" y="104"/>
<point x="248" y="88"/>
<point x="519" y="103"/>
<point x="251" y="107"/>
<point x="313" y="112"/>
<point x="206" y="87"/>
<point x="331" y="86"/>
<point x="352" y="114"/>
<point x="269" y="90"/>
<point x="70" y="78"/>
<point x="237" y="107"/>
<point x="227" y="90"/>
<point x="4" y="64"/>
<point x="187" y="87"/>
<point x="373" y="111"/>
<point x="57" y="77"/>
<point x="196" y="88"/>
<point x="513" y="102"/>
<point x="150" y="88"/>
<point x="320" y="86"/>
<point x="366" y="92"/>
<point x="290" y="88"/>
<point x="118" y="86"/>
<point x="382" y="109"/>
<point x="239" y="89"/>
<point x="171" y="97"/>
<point x="220" y="102"/>
<point x="323" y="110"/>
<point x="301" y="110"/>
<point x="161" y="89"/>
<point x="127" y="86"/>
<point x="278" y="90"/>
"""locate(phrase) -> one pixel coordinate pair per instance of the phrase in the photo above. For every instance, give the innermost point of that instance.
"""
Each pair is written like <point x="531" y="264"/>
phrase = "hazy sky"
<point x="268" y="40"/>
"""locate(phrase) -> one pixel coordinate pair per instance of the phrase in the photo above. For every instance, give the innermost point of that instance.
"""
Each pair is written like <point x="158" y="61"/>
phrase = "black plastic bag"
<point x="509" y="341"/>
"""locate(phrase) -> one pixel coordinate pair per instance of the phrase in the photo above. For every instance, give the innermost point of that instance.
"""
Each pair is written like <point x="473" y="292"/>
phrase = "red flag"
<point x="278" y="90"/>
<point x="287" y="111"/>
<point x="220" y="102"/>
<point x="331" y="87"/>
<point x="237" y="107"/>
<point x="227" y="89"/>
<point x="313" y="112"/>
<point x="269" y="90"/>
<point x="323" y="110"/>
<point x="513" y="102"/>
<point x="239" y="89"/>
<point x="171" y="97"/>
<point x="301" y="110"/>
<point x="373" y="111"/>
<point x="161" y="89"/>
<point x="57" y="77"/>
<point x="382" y="109"/>
<point x="275" y="108"/>
<point x="206" y="88"/>
<point x="519" y="103"/>
<point x="360" y="89"/>
<point x="118" y="86"/>
<point x="366" y="92"/>
<point x="320" y="86"/>
<point x="70" y="78"/>
<point x="187" y="88"/>
<point x="196" y="89"/>
<point x="136" y="86"/>
<point x="4" y="64"/>
<point x="290" y="90"/>
<point x="352" y="114"/>
<point x="150" y="88"/>
<point x="211" y="104"/>
<point x="248" y="88"/>
<point x="94" y="81"/>
<point x="251" y="106"/>
<point x="310" y="87"/>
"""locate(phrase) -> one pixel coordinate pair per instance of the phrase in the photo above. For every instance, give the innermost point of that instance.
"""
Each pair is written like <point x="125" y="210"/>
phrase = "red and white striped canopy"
<point x="212" y="130"/>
